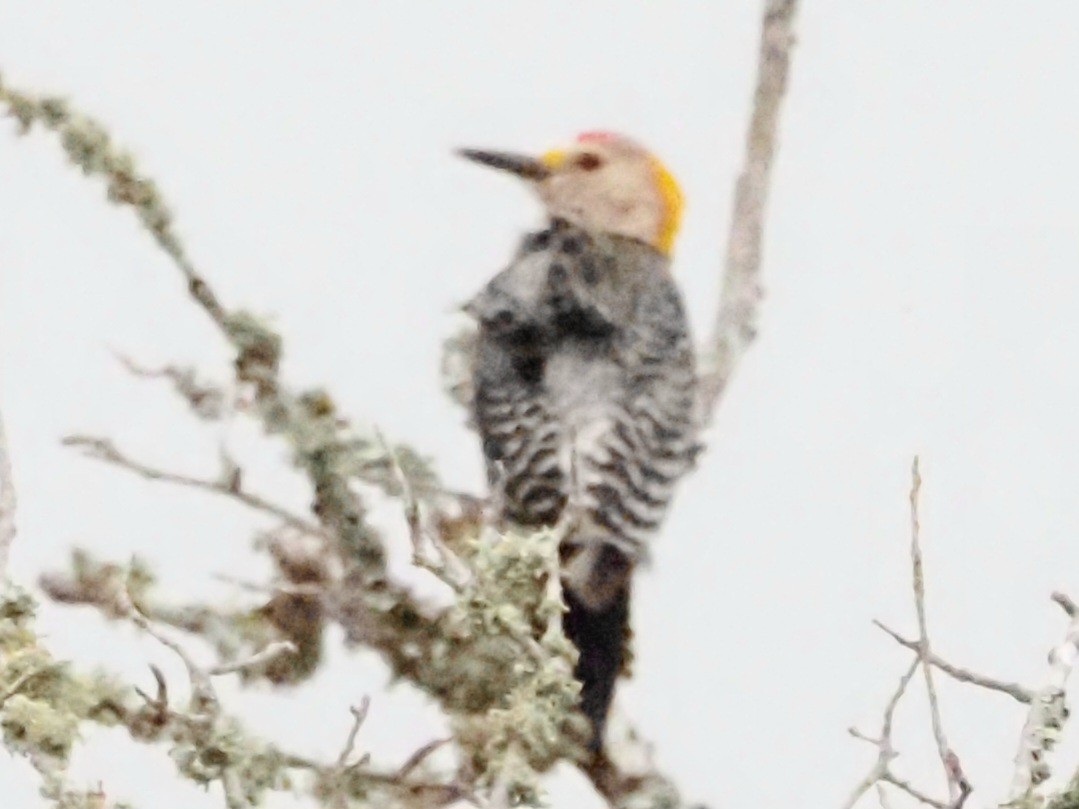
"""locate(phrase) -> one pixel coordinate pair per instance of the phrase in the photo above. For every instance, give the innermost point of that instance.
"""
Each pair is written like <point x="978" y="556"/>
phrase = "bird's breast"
<point x="582" y="389"/>
<point x="581" y="384"/>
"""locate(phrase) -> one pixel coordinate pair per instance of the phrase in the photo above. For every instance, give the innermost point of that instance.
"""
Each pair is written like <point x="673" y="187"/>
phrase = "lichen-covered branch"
<point x="45" y="702"/>
<point x="736" y="321"/>
<point x="1048" y="712"/>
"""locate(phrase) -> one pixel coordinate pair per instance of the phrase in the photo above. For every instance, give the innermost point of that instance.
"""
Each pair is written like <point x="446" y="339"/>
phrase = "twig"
<point x="7" y="504"/>
<point x="888" y="778"/>
<point x="203" y="694"/>
<point x="1014" y="690"/>
<point x="337" y="774"/>
<point x="918" y="576"/>
<point x="272" y="650"/>
<point x="447" y="570"/>
<point x="312" y="590"/>
<point x="1047" y="714"/>
<point x="1065" y="603"/>
<point x="160" y="701"/>
<point x="885" y="751"/>
<point x="417" y="758"/>
<point x="736" y="321"/>
<point x="359" y="716"/>
<point x="102" y="449"/>
<point x="205" y="704"/>
<point x="206" y="401"/>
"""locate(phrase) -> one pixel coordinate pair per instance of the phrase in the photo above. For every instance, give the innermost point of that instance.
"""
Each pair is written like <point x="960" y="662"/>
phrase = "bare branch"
<point x="256" y="660"/>
<point x="1048" y="713"/>
<point x="1013" y="690"/>
<point x="888" y="778"/>
<point x="1065" y="603"/>
<point x="7" y="504"/>
<point x="208" y="402"/>
<point x="736" y="322"/>
<point x="359" y="716"/>
<point x="449" y="570"/>
<point x="885" y="751"/>
<point x="102" y="449"/>
<point x="203" y="694"/>
<point x="421" y="755"/>
<point x="918" y="577"/>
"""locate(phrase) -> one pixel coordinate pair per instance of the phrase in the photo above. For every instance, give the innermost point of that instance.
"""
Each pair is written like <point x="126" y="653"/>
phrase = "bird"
<point x="584" y="381"/>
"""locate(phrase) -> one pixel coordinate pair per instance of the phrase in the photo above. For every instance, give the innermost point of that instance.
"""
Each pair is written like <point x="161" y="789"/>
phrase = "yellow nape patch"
<point x="672" y="201"/>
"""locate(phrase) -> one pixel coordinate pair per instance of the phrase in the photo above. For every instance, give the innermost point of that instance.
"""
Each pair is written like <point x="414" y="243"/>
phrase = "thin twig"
<point x="448" y="570"/>
<point x="7" y="504"/>
<point x="736" y="321"/>
<point x="1065" y="603"/>
<point x="359" y="716"/>
<point x="417" y="758"/>
<point x="885" y="751"/>
<point x="342" y="768"/>
<point x="102" y="449"/>
<point x="312" y="590"/>
<point x="1013" y="690"/>
<point x="160" y="702"/>
<point x="206" y="401"/>
<point x="918" y="579"/>
<point x="888" y="778"/>
<point x="272" y="651"/>
<point x="203" y="694"/>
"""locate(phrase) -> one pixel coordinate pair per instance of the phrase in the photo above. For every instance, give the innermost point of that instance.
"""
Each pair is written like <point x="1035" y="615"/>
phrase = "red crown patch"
<point x="596" y="136"/>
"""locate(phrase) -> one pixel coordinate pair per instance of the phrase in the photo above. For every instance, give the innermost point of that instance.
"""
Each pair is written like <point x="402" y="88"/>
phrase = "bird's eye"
<point x="589" y="161"/>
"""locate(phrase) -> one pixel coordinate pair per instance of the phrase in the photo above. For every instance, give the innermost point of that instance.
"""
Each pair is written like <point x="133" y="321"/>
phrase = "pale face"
<point x="608" y="186"/>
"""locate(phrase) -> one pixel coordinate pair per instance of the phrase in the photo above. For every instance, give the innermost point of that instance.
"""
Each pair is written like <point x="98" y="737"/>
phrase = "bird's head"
<point x="602" y="182"/>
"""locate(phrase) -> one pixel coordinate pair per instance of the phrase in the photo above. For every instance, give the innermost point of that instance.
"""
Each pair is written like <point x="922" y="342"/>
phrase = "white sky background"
<point x="920" y="261"/>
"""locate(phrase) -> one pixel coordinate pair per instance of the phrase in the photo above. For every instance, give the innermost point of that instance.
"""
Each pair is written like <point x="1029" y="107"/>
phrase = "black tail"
<point x="600" y="637"/>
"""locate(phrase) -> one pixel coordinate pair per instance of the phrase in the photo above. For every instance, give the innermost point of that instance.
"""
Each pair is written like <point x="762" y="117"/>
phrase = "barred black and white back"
<point x="584" y="391"/>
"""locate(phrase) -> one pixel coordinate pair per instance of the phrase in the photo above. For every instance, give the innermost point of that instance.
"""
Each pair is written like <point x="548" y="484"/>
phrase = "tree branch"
<point x="883" y="743"/>
<point x="736" y="321"/>
<point x="102" y="449"/>
<point x="1013" y="690"/>
<point x="956" y="783"/>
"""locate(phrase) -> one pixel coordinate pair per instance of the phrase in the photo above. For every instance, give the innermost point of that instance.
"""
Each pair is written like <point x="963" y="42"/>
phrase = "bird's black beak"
<point x="528" y="168"/>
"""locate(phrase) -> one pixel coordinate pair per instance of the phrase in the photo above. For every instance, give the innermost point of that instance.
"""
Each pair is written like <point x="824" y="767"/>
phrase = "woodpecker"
<point x="584" y="381"/>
